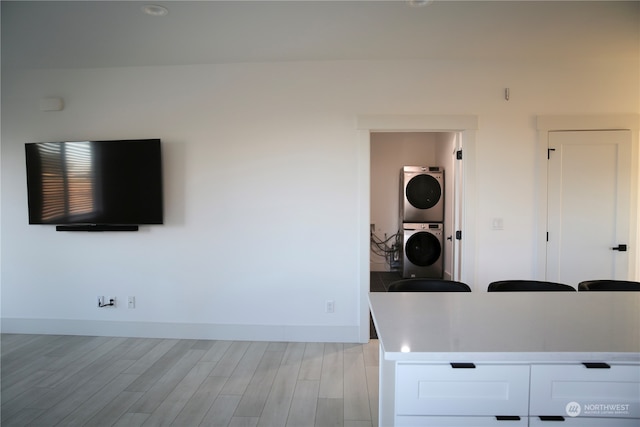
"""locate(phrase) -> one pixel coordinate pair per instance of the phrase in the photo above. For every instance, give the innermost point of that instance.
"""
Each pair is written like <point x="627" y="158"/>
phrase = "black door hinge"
<point x="459" y="155"/>
<point x="549" y="150"/>
<point x="459" y="235"/>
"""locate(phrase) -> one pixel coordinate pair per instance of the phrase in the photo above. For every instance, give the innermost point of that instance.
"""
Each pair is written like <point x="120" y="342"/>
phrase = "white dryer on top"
<point x="422" y="194"/>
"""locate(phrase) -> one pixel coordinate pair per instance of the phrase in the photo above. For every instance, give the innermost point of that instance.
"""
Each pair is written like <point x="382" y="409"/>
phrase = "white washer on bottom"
<point x="422" y="254"/>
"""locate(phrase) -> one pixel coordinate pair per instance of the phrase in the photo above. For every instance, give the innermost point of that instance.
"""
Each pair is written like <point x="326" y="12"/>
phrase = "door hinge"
<point x="547" y="236"/>
<point x="459" y="155"/>
<point x="549" y="150"/>
<point x="459" y="235"/>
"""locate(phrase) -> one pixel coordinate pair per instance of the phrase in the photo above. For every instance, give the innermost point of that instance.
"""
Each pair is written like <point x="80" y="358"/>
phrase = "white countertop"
<point x="498" y="326"/>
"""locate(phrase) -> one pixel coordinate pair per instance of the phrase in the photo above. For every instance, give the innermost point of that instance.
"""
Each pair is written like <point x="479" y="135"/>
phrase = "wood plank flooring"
<point x="50" y="380"/>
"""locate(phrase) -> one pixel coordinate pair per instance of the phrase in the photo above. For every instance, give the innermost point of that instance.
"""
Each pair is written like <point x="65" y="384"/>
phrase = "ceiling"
<point x="88" y="34"/>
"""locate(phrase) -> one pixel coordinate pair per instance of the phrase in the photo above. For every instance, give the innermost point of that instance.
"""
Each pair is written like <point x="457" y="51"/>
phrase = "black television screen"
<point x="95" y="182"/>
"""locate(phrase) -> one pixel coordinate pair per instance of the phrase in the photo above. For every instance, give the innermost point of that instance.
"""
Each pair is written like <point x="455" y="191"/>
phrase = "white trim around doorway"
<point x="467" y="126"/>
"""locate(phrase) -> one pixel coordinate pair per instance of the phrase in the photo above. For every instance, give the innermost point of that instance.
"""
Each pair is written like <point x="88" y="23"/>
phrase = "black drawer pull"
<point x="507" y="418"/>
<point x="551" y="418"/>
<point x="462" y="365"/>
<point x="596" y="365"/>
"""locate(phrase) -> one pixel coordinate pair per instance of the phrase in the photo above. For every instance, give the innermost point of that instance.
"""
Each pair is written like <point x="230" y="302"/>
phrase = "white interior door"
<point x="589" y="181"/>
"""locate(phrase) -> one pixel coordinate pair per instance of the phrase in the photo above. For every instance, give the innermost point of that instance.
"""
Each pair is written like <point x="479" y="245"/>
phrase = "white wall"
<point x="262" y="188"/>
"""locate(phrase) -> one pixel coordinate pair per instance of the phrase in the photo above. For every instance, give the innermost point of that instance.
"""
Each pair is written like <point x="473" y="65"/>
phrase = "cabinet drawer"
<point x="429" y="421"/>
<point x="488" y="390"/>
<point x="584" y="422"/>
<point x="601" y="392"/>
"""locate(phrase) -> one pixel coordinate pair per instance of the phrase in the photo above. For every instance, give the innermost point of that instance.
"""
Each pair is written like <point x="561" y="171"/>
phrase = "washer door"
<point x="423" y="249"/>
<point x="423" y="191"/>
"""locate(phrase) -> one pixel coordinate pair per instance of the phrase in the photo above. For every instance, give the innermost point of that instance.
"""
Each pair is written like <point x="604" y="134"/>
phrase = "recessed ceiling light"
<point x="154" y="10"/>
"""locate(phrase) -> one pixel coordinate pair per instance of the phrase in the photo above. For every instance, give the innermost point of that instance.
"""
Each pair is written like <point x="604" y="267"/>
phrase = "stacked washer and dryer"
<point x="422" y="218"/>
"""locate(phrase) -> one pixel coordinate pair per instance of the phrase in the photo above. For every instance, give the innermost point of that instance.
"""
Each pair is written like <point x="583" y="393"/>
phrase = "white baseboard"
<point x="282" y="333"/>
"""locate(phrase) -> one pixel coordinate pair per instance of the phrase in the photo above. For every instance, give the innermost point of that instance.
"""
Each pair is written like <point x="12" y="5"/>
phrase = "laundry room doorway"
<point x="456" y="136"/>
<point x="413" y="205"/>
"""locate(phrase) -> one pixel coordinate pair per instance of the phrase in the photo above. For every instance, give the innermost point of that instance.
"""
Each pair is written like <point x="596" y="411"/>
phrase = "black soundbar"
<point x="96" y="227"/>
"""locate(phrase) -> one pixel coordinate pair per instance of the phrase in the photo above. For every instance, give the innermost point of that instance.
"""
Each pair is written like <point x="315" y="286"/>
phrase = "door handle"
<point x="621" y="248"/>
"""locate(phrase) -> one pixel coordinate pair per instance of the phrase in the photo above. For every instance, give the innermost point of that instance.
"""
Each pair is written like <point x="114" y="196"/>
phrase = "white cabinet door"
<point x="585" y="422"/>
<point x="486" y="390"/>
<point x="422" y="421"/>
<point x="579" y="391"/>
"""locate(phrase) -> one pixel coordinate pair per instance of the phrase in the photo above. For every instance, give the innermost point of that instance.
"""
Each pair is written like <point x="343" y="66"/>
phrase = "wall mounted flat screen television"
<point x="95" y="185"/>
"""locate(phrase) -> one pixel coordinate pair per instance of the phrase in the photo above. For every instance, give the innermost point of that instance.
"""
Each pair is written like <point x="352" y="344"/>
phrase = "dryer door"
<point x="423" y="191"/>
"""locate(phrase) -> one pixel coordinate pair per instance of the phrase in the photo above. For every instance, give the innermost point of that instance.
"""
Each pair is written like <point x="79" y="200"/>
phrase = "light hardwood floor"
<point x="50" y="380"/>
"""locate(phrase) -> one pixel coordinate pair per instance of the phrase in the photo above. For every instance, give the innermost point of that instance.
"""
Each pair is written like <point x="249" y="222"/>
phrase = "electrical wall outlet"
<point x="330" y="306"/>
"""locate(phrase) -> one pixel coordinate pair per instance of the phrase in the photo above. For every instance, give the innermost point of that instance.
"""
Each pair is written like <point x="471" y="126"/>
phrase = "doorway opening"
<point x="463" y="240"/>
<point x="425" y="163"/>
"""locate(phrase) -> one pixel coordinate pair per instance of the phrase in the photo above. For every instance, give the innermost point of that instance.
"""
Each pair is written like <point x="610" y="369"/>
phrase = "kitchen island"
<point x="508" y="358"/>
